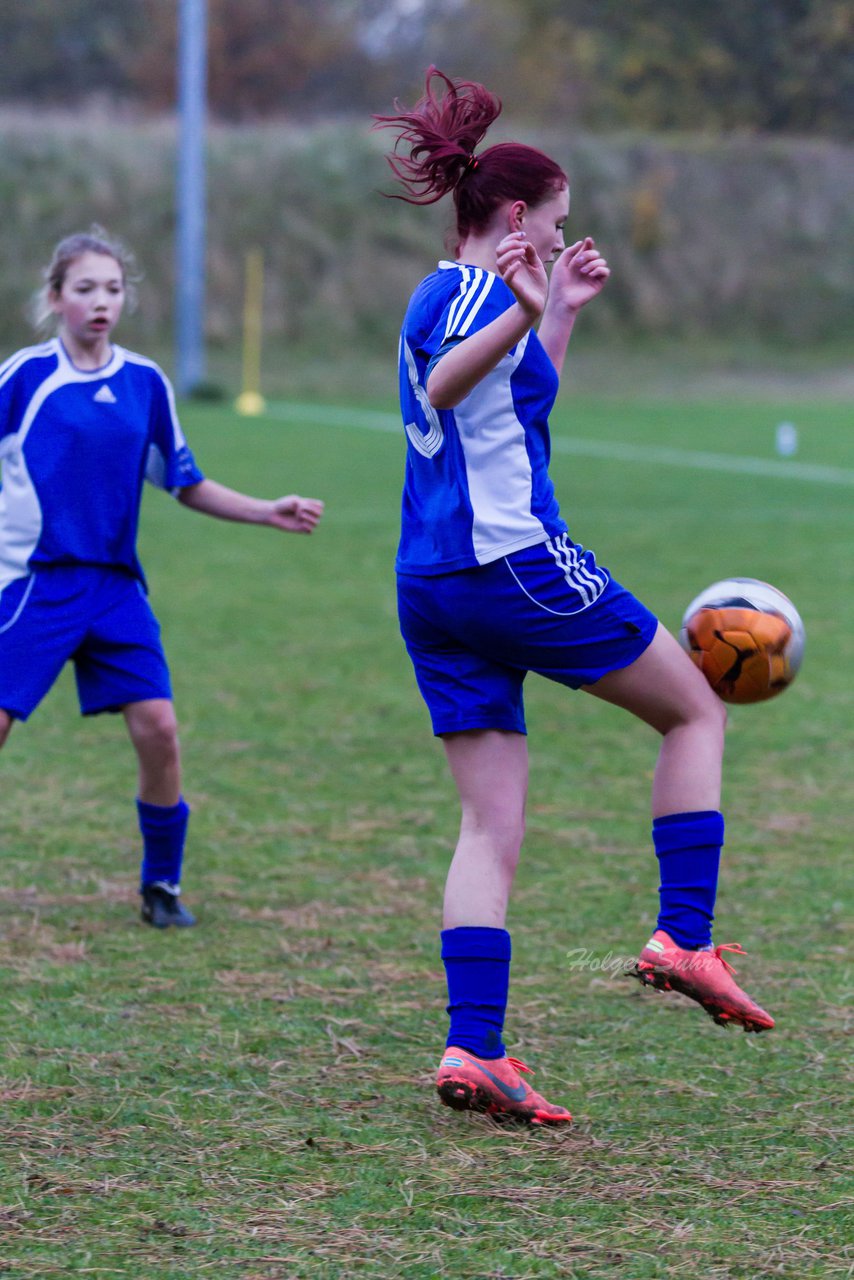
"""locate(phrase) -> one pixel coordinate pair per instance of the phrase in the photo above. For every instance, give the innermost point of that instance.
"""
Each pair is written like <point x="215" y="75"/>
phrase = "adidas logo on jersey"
<point x="104" y="395"/>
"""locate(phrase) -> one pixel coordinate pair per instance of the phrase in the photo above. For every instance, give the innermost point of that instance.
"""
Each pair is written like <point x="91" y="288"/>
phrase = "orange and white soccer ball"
<point x="746" y="637"/>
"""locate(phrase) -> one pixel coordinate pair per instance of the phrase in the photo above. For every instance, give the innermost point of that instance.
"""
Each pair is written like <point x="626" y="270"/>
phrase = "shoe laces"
<point x="520" y="1066"/>
<point x="737" y="950"/>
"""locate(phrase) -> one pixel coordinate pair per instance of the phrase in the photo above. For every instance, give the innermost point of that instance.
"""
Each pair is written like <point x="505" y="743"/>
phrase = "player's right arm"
<point x="468" y="362"/>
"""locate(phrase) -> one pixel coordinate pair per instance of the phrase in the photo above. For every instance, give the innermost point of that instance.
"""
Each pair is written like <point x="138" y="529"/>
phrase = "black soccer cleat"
<point x="162" y="906"/>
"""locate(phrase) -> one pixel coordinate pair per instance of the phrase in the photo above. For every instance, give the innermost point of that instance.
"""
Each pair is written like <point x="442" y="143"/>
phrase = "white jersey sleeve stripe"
<point x="476" y="305"/>
<point x="455" y="305"/>
<point x="21" y="357"/>
<point x="473" y="292"/>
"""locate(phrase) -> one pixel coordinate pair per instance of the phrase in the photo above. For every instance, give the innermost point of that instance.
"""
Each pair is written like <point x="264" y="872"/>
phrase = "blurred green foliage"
<point x="784" y="66"/>
<point x="737" y="239"/>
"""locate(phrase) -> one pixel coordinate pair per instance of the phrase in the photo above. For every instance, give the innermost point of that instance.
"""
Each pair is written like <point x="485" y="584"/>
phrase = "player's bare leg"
<point x="665" y="689"/>
<point x="490" y="769"/>
<point x="153" y="730"/>
<point x="6" y="723"/>
<point x="163" y="815"/>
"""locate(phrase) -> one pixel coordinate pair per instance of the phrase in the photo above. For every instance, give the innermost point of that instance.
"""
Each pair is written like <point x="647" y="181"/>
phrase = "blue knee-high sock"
<point x="688" y="848"/>
<point x="477" y="965"/>
<point x="164" y="830"/>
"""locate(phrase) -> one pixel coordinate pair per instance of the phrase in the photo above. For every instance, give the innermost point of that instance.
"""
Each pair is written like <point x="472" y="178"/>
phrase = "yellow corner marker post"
<point x="250" y="403"/>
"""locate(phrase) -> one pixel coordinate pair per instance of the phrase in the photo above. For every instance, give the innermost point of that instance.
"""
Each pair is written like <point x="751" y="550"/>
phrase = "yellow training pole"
<point x="250" y="402"/>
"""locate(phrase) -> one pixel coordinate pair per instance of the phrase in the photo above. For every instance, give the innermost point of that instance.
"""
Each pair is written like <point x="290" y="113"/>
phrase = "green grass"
<point x="253" y="1098"/>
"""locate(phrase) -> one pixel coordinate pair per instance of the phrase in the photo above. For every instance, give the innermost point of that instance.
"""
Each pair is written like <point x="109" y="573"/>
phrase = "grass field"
<point x="253" y="1098"/>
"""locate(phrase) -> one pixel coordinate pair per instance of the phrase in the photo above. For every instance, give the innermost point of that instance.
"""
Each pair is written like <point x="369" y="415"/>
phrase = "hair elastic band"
<point x="471" y="164"/>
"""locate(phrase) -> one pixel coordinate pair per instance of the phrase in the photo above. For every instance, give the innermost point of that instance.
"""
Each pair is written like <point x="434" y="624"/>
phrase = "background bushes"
<point x="719" y="239"/>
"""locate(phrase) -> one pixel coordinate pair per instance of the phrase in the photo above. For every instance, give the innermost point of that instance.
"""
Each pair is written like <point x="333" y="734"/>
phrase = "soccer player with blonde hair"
<point x="83" y="423"/>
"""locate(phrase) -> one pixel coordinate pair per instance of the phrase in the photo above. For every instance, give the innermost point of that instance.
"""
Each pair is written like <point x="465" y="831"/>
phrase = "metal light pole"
<point x="190" y="195"/>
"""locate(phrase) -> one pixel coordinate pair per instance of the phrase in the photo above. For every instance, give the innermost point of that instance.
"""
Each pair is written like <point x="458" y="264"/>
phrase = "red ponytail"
<point x="441" y="133"/>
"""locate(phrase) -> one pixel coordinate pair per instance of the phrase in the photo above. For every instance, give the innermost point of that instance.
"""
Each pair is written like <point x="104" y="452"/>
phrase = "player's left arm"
<point x="578" y="276"/>
<point x="292" y="513"/>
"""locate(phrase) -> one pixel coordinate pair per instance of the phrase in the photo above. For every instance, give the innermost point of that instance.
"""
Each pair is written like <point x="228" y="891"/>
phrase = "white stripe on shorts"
<point x="21" y="605"/>
<point x="588" y="585"/>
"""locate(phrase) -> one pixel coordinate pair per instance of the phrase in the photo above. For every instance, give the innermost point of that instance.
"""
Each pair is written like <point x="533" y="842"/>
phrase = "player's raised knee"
<point x="153" y="725"/>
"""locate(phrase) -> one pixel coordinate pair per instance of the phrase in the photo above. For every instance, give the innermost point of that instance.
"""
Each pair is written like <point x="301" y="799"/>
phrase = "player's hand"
<point x="295" y="514"/>
<point x="579" y="274"/>
<point x="522" y="270"/>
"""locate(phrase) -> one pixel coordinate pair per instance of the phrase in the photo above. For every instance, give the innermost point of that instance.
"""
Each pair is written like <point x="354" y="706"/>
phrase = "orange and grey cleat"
<point x="704" y="976"/>
<point x="493" y="1085"/>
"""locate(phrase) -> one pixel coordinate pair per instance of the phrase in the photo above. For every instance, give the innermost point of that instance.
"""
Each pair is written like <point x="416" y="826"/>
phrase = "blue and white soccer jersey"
<point x="477" y="484"/>
<point x="75" y="448"/>
<point x="490" y="585"/>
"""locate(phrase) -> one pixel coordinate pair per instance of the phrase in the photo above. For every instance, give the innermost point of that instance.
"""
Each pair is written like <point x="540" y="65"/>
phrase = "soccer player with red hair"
<point x="491" y="586"/>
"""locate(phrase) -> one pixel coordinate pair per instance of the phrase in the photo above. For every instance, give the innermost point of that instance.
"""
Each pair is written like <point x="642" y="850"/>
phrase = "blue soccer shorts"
<point x="97" y="618"/>
<point x="474" y="635"/>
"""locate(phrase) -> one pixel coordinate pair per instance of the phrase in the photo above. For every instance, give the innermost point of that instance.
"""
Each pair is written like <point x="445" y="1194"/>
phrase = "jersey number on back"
<point x="428" y="444"/>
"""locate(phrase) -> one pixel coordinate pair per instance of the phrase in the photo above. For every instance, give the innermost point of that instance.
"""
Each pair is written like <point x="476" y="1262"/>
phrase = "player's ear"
<point x="516" y="215"/>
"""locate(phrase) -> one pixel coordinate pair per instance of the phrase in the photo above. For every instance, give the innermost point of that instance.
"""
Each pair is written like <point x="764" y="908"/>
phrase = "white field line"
<point x="654" y="455"/>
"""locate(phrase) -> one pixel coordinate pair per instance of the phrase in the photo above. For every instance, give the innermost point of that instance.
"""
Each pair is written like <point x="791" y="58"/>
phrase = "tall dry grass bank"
<point x="723" y="246"/>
